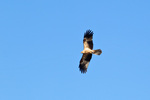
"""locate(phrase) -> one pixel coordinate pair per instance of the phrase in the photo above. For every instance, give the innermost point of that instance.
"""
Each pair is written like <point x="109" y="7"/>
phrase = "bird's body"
<point x="88" y="51"/>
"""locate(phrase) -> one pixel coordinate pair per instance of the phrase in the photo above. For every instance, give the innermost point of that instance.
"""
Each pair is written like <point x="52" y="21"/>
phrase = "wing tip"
<point x="82" y="69"/>
<point x="88" y="33"/>
<point x="83" y="72"/>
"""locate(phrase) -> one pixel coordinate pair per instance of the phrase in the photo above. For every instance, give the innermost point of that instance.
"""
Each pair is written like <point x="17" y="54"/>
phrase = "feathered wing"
<point x="87" y="41"/>
<point x="84" y="62"/>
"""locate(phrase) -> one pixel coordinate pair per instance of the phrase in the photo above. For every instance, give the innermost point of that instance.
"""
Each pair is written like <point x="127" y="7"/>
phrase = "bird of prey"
<point x="88" y="51"/>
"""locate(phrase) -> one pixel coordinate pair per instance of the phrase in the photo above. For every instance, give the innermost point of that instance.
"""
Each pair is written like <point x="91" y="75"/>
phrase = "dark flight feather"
<point x="84" y="62"/>
<point x="88" y="34"/>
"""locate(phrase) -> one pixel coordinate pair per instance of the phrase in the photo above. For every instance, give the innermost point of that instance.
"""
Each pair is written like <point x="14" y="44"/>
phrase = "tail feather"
<point x="97" y="52"/>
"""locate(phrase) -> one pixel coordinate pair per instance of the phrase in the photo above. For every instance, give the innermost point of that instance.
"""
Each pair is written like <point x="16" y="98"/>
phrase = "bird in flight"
<point x="88" y="51"/>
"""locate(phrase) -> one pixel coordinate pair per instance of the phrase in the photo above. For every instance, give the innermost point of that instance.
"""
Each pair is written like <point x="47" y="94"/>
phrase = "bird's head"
<point x="82" y="52"/>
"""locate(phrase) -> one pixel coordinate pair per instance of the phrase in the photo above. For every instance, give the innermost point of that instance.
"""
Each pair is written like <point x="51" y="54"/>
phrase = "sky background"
<point x="41" y="41"/>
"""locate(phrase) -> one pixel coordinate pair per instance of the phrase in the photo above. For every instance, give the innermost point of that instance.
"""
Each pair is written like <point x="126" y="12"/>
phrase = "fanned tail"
<point x="97" y="52"/>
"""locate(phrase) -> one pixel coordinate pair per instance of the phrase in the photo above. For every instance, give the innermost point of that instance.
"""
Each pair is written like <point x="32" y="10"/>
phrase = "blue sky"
<point x="41" y="41"/>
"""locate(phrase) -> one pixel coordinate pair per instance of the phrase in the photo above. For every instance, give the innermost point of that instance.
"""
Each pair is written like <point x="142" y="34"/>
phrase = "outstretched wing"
<point x="87" y="41"/>
<point x="84" y="62"/>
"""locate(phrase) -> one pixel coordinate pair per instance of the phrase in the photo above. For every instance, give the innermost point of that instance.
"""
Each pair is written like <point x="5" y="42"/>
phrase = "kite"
<point x="88" y="51"/>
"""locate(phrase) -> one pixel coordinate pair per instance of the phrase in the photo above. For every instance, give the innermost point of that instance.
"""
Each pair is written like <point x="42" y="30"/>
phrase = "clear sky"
<point x="41" y="41"/>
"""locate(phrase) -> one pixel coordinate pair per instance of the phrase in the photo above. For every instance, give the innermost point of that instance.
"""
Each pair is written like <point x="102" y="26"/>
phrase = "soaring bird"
<point x="88" y="51"/>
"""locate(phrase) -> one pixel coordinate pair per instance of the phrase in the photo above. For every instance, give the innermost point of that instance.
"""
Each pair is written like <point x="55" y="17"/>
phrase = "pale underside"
<point x="87" y="50"/>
